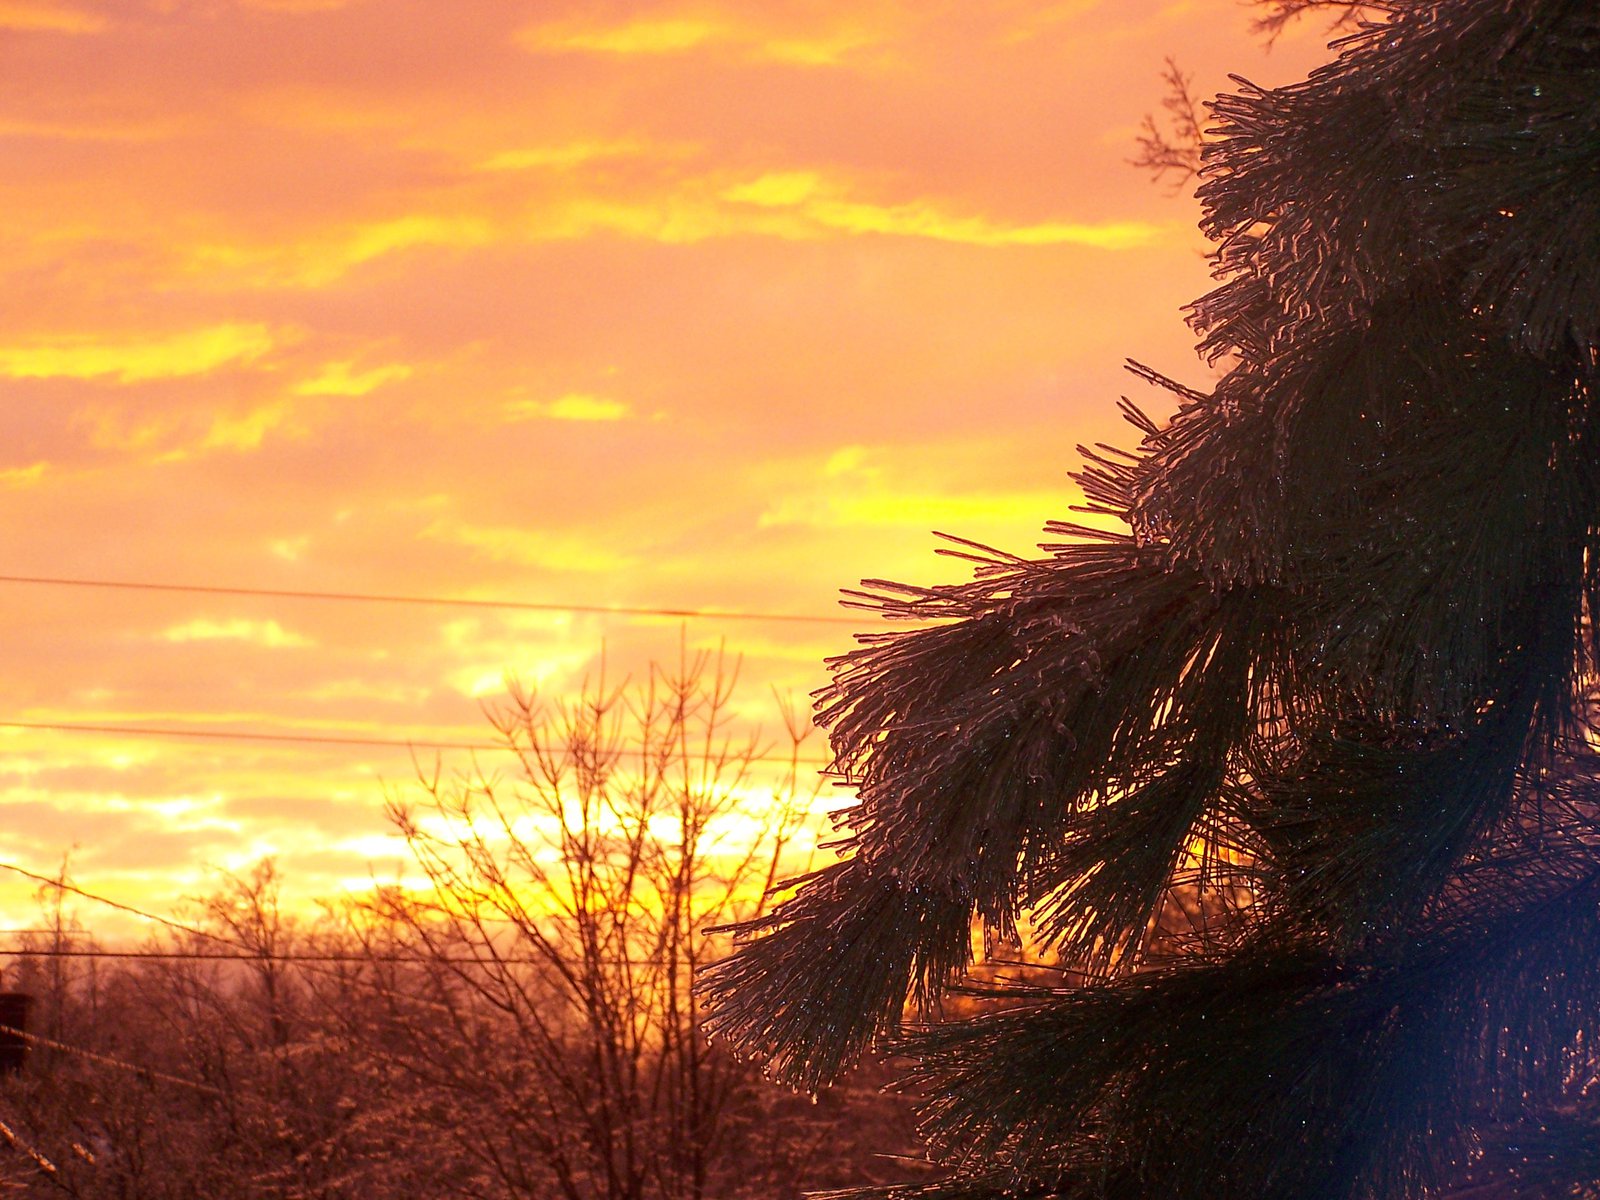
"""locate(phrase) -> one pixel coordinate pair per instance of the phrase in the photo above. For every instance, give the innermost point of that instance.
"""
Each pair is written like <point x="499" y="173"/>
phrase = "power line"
<point x="298" y="957"/>
<point x="244" y="953"/>
<point x="177" y="926"/>
<point x="229" y="735"/>
<point x="616" y="610"/>
<point x="232" y="735"/>
<point x="62" y="884"/>
<point x="107" y="1060"/>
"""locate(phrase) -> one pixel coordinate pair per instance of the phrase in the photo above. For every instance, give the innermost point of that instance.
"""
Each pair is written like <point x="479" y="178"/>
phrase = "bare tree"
<point x="1346" y="15"/>
<point x="517" y="1021"/>
<point x="1175" y="147"/>
<point x="1170" y="145"/>
<point x="548" y="988"/>
<point x="206" y="1063"/>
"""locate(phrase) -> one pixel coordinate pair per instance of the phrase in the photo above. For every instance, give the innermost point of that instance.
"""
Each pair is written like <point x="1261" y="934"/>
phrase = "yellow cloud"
<point x="532" y="547"/>
<point x="532" y="648"/>
<point x="367" y="690"/>
<point x="530" y="669"/>
<point x="100" y="130"/>
<point x="777" y="189"/>
<point x="825" y="207"/>
<point x="236" y="629"/>
<point x="828" y="51"/>
<point x="375" y="845"/>
<point x="370" y="241"/>
<point x="847" y="460"/>
<point x="23" y="477"/>
<point x="574" y="406"/>
<point x="800" y="206"/>
<point x="297" y="6"/>
<point x="1050" y="16"/>
<point x="133" y="361"/>
<point x="795" y="205"/>
<point x="673" y="220"/>
<point x="656" y="36"/>
<point x="326" y="258"/>
<point x="920" y="219"/>
<point x="336" y="379"/>
<point x="289" y="549"/>
<point x="570" y="154"/>
<point x="178" y="436"/>
<point x="246" y="431"/>
<point x="644" y="36"/>
<point x="43" y="16"/>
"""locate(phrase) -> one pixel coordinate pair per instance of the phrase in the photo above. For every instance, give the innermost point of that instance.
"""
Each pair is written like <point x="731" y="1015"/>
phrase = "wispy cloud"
<point x="23" y="477"/>
<point x="564" y="156"/>
<point x="827" y="206"/>
<point x="807" y="205"/>
<point x="855" y="487"/>
<point x="327" y="256"/>
<point x="652" y="36"/>
<point x="549" y="550"/>
<point x="1035" y="20"/>
<point x="95" y="129"/>
<point x="152" y="434"/>
<point x="645" y="35"/>
<point x="574" y="406"/>
<point x="342" y="379"/>
<point x="136" y="359"/>
<point x="297" y="7"/>
<point x="244" y="431"/>
<point x="45" y="16"/>
<point x="657" y="203"/>
<point x="236" y="629"/>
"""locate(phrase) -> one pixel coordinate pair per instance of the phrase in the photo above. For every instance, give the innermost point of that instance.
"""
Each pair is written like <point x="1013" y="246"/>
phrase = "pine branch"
<point x="1300" y="1072"/>
<point x="975" y="748"/>
<point x="1334" y="685"/>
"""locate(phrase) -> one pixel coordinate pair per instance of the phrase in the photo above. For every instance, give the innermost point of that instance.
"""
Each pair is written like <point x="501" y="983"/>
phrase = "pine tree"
<point x="1327" y="692"/>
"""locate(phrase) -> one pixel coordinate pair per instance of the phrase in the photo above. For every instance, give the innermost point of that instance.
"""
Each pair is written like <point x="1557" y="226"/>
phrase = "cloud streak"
<point x="655" y="36"/>
<point x="129" y="359"/>
<point x="45" y="16"/>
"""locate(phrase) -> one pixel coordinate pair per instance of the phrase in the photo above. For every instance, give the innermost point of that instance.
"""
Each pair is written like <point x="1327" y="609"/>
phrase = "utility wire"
<point x="228" y="735"/>
<point x="617" y="610"/>
<point x="243" y="953"/>
<point x="108" y="1060"/>
<point x="297" y="957"/>
<point x="176" y="926"/>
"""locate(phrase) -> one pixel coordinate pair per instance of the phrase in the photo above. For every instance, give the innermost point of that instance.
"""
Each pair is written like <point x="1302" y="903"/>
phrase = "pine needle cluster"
<point x="1330" y="688"/>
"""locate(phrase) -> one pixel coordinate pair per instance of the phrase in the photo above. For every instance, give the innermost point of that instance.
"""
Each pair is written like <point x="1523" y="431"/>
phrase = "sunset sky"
<point x="713" y="305"/>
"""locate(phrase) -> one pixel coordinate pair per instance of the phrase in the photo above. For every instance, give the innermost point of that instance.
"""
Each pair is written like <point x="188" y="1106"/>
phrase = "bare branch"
<point x="1173" y="146"/>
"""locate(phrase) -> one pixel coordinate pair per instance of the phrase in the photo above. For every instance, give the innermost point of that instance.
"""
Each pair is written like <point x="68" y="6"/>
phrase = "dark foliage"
<point x="1331" y="689"/>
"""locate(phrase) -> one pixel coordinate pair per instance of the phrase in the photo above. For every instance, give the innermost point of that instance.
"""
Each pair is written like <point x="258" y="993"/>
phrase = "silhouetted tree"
<point x="531" y="992"/>
<point x="1326" y="696"/>
<point x="1345" y="15"/>
<point x="514" y="1022"/>
<point x="1175" y="143"/>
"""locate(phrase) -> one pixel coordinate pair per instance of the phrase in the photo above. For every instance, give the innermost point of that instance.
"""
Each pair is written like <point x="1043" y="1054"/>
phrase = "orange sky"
<point x="720" y="304"/>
